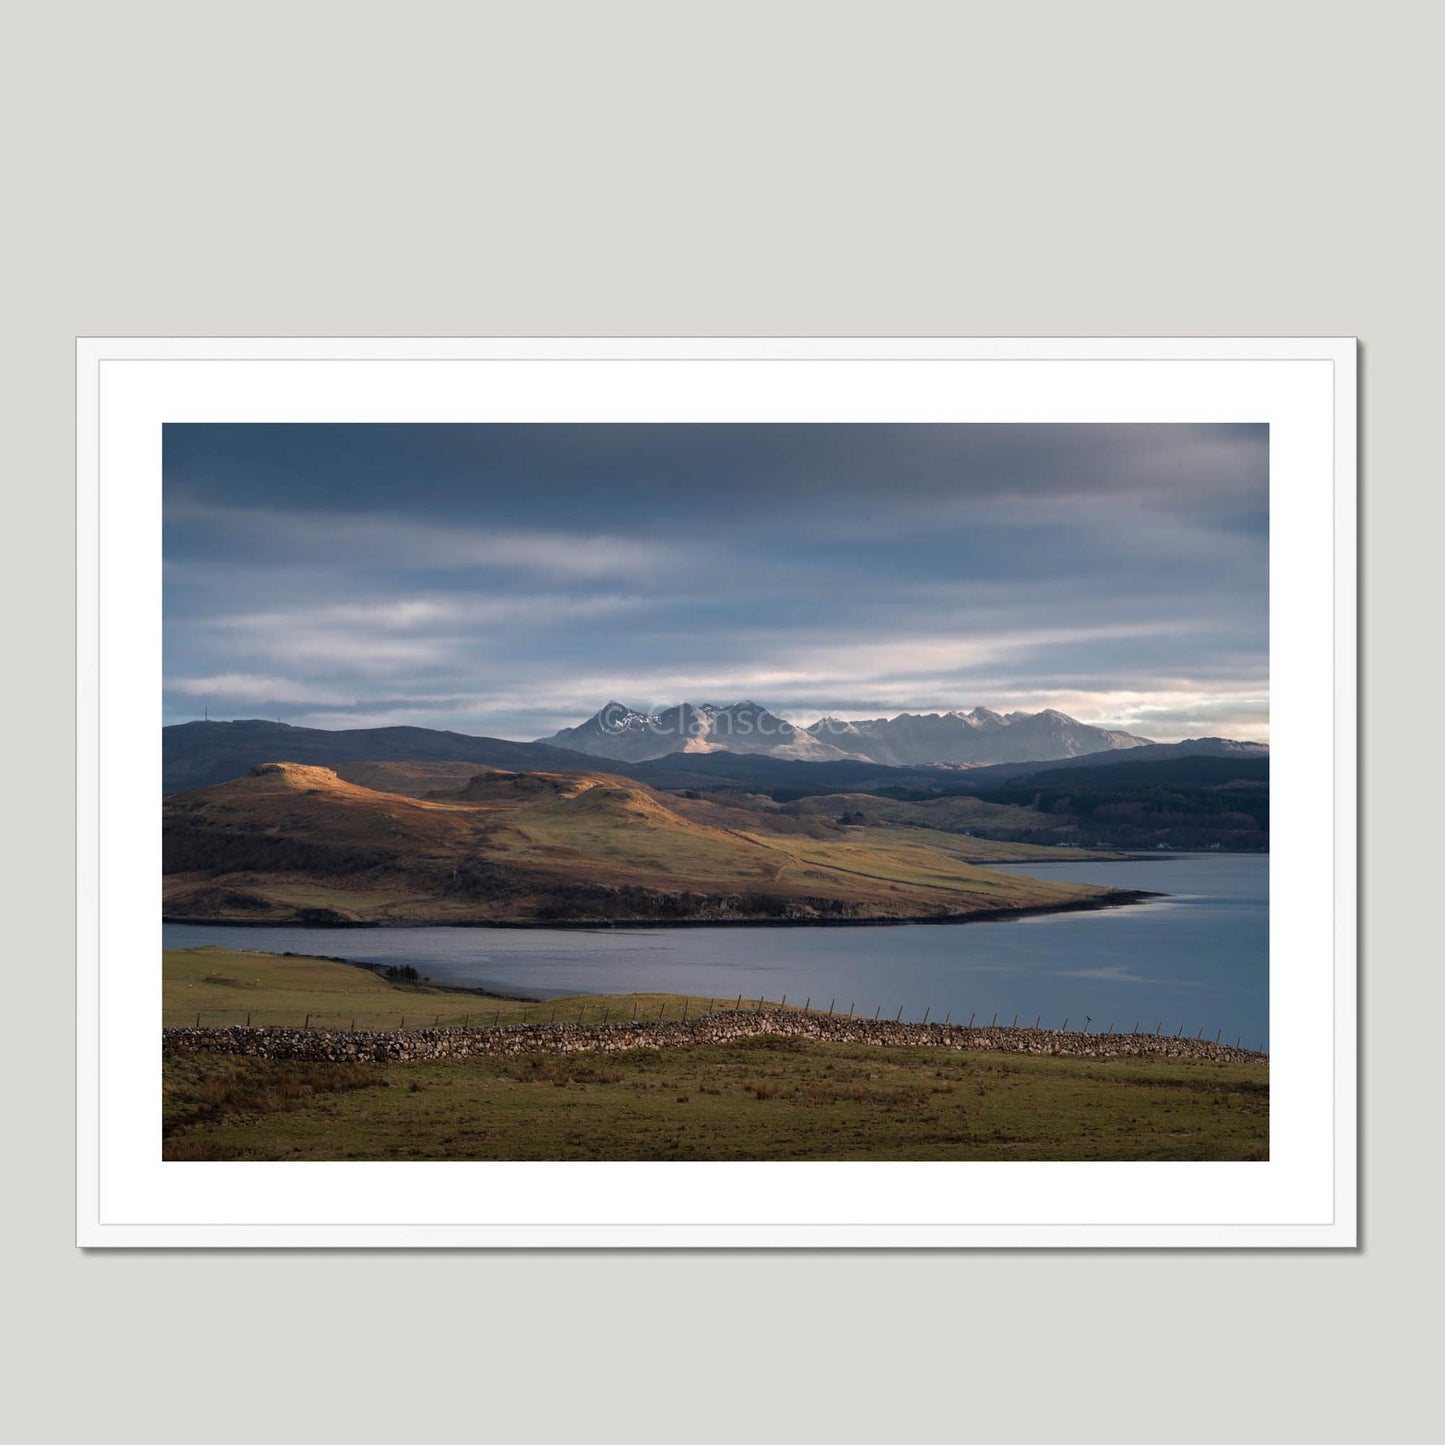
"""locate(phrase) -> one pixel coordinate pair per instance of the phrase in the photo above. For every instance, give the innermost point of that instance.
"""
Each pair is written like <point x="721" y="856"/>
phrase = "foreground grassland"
<point x="756" y="1099"/>
<point x="224" y="986"/>
<point x="753" y="1100"/>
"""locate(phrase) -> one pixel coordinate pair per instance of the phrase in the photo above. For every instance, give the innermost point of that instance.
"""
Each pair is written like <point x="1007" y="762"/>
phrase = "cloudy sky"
<point x="509" y="580"/>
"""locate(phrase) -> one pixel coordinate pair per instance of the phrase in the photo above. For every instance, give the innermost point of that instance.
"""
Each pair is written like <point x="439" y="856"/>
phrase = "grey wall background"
<point x="749" y="169"/>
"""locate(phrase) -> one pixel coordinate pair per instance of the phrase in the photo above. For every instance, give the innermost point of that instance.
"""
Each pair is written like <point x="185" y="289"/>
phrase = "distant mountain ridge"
<point x="781" y="776"/>
<point x="980" y="736"/>
<point x="199" y="754"/>
<point x="950" y="739"/>
<point x="981" y="779"/>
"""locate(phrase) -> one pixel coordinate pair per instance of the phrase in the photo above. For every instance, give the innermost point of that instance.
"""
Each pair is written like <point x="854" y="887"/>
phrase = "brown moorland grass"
<point x="294" y="842"/>
<point x="759" y="1099"/>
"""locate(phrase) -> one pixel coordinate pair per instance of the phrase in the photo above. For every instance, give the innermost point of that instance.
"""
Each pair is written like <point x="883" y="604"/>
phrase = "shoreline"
<point x="1164" y="855"/>
<point x="1116" y="898"/>
<point x="424" y="986"/>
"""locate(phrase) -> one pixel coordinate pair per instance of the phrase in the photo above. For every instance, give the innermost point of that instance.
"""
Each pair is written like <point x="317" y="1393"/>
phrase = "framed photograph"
<point x="723" y="792"/>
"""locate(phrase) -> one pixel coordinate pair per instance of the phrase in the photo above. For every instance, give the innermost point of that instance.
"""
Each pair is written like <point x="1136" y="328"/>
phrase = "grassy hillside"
<point x="978" y="829"/>
<point x="415" y="780"/>
<point x="295" y="843"/>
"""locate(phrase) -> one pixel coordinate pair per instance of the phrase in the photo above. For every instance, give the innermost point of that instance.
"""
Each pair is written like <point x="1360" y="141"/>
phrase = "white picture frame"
<point x="1303" y="1196"/>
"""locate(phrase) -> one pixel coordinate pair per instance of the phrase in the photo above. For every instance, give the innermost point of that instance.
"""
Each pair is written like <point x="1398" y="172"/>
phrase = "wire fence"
<point x="638" y="1009"/>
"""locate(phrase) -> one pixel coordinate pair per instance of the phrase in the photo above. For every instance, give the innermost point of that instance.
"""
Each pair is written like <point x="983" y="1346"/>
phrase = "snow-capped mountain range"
<point x="950" y="739"/>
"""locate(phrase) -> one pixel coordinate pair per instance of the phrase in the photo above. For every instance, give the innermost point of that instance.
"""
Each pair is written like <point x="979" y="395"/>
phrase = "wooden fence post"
<point x="809" y="1003"/>
<point x="948" y="1019"/>
<point x="306" y="1026"/>
<point x="926" y="1012"/>
<point x="1015" y="1023"/>
<point x="971" y="1018"/>
<point x="830" y="1008"/>
<point x="994" y="1023"/>
<point x="1037" y="1021"/>
<point x="899" y="1019"/>
<point x="851" y="1002"/>
<point x="1065" y="1028"/>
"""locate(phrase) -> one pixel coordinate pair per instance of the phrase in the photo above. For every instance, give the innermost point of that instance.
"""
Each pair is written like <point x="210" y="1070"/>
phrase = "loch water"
<point x="1195" y="959"/>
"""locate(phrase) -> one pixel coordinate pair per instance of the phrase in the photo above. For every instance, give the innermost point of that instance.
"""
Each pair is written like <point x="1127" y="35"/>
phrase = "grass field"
<point x="757" y="1099"/>
<point x="761" y="1098"/>
<point x="225" y="986"/>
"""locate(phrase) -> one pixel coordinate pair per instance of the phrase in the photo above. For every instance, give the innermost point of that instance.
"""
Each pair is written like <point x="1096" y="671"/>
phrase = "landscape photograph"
<point x="717" y="791"/>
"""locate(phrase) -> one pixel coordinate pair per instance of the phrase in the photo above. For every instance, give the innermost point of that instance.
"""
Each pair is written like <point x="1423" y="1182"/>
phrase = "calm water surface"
<point x="1198" y="958"/>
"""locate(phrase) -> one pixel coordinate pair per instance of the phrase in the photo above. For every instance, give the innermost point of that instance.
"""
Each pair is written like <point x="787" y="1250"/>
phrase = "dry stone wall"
<point x="410" y="1045"/>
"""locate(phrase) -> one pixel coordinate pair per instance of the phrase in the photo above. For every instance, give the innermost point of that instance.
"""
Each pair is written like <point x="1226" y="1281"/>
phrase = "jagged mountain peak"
<point x="957" y="738"/>
<point x="695" y="727"/>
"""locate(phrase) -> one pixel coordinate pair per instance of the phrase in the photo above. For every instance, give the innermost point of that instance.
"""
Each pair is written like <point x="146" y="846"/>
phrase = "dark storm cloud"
<point x="510" y="579"/>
